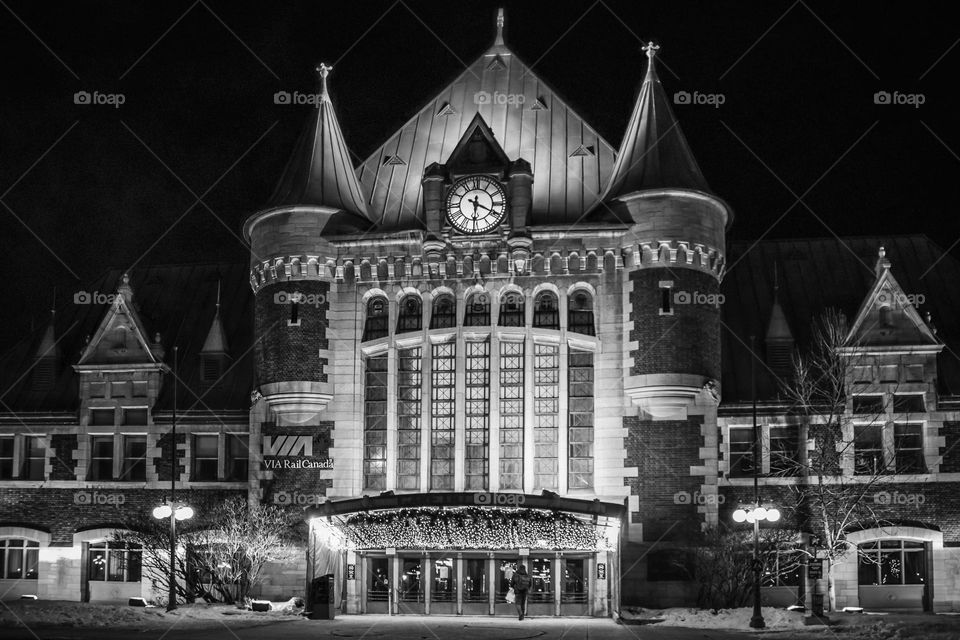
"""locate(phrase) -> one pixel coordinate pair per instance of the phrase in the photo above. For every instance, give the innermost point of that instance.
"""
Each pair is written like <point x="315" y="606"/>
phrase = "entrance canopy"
<point x="471" y="521"/>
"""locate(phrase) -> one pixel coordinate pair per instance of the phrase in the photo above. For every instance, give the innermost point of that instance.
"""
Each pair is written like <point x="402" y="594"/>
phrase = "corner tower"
<point x="293" y="264"/>
<point x="673" y="262"/>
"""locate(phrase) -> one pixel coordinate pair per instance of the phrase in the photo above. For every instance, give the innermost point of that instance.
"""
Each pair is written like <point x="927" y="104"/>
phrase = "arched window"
<point x="546" y="311"/>
<point x="19" y="559"/>
<point x="511" y="310"/>
<point x="478" y="310"/>
<point x="580" y="313"/>
<point x="444" y="312"/>
<point x="411" y="314"/>
<point x="377" y="317"/>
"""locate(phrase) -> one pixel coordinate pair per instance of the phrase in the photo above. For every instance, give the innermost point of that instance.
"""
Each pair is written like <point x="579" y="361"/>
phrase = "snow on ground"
<point x="714" y="618"/>
<point x="77" y="614"/>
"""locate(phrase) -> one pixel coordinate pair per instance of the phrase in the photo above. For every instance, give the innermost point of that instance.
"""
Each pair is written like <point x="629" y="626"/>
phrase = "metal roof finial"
<point x="499" y="26"/>
<point x="323" y="70"/>
<point x="651" y="49"/>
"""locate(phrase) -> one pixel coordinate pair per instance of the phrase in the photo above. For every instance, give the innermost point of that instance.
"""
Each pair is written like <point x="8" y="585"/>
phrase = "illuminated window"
<point x="19" y="559"/>
<point x="375" y="423"/>
<point x="546" y="311"/>
<point x="34" y="458"/>
<point x="868" y="449"/>
<point x="546" y="411"/>
<point x="740" y="450"/>
<point x="409" y="408"/>
<point x="377" y="318"/>
<point x="444" y="313"/>
<point x="115" y="562"/>
<point x="511" y="415"/>
<point x="134" y="464"/>
<point x="442" y="410"/>
<point x="580" y="313"/>
<point x="892" y="562"/>
<point x="908" y="448"/>
<point x="206" y="458"/>
<point x="477" y="313"/>
<point x="512" y="309"/>
<point x="477" y="415"/>
<point x="411" y="315"/>
<point x="580" y="425"/>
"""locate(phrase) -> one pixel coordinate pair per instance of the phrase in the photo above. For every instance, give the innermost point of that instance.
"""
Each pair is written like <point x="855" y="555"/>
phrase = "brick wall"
<point x="663" y="452"/>
<point x="688" y="341"/>
<point x="63" y="512"/>
<point x="285" y="352"/>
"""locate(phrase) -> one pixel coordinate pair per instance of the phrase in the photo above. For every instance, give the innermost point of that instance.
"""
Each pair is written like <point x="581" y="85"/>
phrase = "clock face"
<point x="476" y="204"/>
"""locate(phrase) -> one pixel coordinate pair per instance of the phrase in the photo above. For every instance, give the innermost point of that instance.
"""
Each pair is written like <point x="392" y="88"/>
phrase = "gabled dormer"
<point x="890" y="348"/>
<point x="120" y="367"/>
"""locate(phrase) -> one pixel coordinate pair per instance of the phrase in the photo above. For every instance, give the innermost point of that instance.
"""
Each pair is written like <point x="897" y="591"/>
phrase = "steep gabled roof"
<point x="320" y="172"/>
<point x="527" y="118"/>
<point x="887" y="317"/>
<point x="654" y="153"/>
<point x="121" y="337"/>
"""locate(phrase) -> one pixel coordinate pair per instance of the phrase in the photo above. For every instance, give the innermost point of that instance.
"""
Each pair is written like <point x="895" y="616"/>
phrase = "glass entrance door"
<point x="476" y="586"/>
<point x="411" y="588"/>
<point x="443" y="588"/>
<point x="541" y="599"/>
<point x="378" y="585"/>
<point x="504" y="568"/>
<point x="575" y="594"/>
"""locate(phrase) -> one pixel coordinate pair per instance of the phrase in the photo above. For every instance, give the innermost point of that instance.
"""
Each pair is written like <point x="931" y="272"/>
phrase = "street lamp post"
<point x="171" y="509"/>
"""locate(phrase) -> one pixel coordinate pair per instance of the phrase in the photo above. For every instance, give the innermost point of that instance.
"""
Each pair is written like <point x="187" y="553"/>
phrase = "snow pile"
<point x="29" y="613"/>
<point x="774" y="618"/>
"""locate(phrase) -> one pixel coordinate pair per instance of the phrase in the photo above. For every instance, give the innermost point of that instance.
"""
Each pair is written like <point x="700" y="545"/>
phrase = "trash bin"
<point x="322" y="606"/>
<point x="817" y="603"/>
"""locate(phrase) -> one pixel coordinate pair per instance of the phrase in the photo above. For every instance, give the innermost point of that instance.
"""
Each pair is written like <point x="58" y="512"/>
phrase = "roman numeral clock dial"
<point x="476" y="204"/>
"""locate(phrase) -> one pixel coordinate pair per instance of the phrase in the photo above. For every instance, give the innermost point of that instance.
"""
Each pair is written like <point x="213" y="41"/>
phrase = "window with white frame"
<point x="206" y="457"/>
<point x="7" y="444"/>
<point x="442" y="411"/>
<point x="784" y="450"/>
<point x="101" y="458"/>
<point x="868" y="449"/>
<point x="908" y="448"/>
<point x="892" y="562"/>
<point x="546" y="411"/>
<point x="134" y="464"/>
<point x="115" y="562"/>
<point x="511" y="415"/>
<point x="375" y="422"/>
<point x="740" y="452"/>
<point x="19" y="559"/>
<point x="476" y="457"/>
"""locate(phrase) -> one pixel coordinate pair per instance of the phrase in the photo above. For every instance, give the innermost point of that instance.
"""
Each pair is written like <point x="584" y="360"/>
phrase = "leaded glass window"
<point x="375" y="423"/>
<point x="580" y="426"/>
<point x="409" y="409"/>
<point x="511" y="415"/>
<point x="546" y="411"/>
<point x="442" y="411"/>
<point x="477" y="415"/>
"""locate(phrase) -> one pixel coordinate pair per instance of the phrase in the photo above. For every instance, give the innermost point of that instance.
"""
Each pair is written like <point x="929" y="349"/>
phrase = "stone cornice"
<point x="676" y="253"/>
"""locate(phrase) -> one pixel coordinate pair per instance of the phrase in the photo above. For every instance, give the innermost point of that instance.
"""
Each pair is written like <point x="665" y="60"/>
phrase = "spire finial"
<point x="651" y="49"/>
<point x="218" y="296"/>
<point x="776" y="280"/>
<point x="883" y="263"/>
<point x="500" y="21"/>
<point x="323" y="70"/>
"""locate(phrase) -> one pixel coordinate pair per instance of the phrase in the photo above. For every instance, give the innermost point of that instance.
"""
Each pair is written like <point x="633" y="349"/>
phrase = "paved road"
<point x="394" y="628"/>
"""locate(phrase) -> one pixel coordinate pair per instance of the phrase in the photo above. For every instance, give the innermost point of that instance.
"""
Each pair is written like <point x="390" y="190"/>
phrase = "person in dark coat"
<point x="520" y="583"/>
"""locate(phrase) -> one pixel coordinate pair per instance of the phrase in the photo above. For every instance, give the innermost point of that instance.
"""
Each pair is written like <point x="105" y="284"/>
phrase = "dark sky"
<point x="85" y="187"/>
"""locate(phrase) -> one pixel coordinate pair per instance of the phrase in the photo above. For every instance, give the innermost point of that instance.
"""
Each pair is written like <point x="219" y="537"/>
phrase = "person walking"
<point x="520" y="583"/>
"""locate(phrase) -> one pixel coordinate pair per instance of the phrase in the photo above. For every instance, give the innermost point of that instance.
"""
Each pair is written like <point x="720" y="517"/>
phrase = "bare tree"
<point x="225" y="553"/>
<point x="838" y="477"/>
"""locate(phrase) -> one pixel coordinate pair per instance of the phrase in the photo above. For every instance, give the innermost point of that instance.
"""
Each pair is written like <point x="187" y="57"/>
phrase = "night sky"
<point x="87" y="187"/>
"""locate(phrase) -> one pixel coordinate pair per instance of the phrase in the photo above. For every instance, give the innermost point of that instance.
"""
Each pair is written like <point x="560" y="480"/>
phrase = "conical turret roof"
<point x="320" y="172"/>
<point x="654" y="153"/>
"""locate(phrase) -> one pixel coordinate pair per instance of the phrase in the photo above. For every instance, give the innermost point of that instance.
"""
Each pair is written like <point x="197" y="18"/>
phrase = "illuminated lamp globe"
<point x="760" y="513"/>
<point x="773" y="515"/>
<point x="184" y="513"/>
<point x="162" y="512"/>
<point x="739" y="515"/>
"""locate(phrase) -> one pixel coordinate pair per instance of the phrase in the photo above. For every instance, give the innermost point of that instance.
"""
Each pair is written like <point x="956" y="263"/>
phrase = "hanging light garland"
<point x="474" y="528"/>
